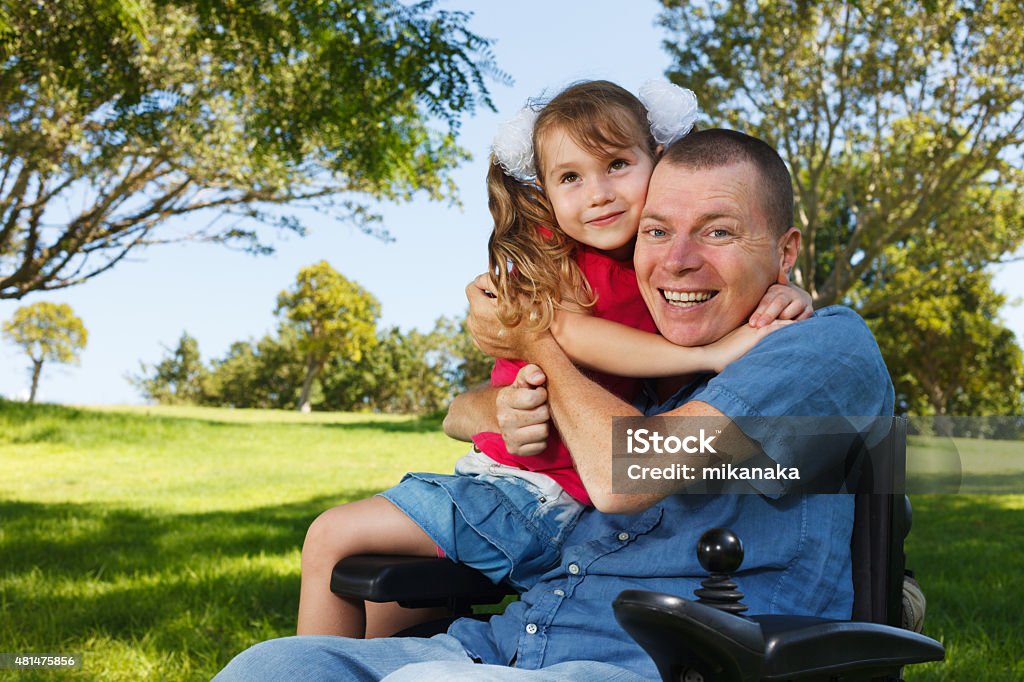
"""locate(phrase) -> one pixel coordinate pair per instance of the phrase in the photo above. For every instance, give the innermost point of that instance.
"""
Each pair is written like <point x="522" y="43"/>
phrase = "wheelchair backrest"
<point x="881" y="523"/>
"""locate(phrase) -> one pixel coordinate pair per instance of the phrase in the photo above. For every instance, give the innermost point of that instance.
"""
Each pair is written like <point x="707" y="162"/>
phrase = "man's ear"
<point x="789" y="249"/>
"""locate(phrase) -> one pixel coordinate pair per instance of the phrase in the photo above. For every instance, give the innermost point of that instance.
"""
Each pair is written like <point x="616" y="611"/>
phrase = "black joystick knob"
<point x="720" y="552"/>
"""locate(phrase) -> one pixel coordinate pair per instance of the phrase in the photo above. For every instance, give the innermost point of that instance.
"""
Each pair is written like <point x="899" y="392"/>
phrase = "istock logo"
<point x="643" y="441"/>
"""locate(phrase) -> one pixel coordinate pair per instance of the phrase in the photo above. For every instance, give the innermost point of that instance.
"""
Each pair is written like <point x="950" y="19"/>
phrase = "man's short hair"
<point x="717" y="147"/>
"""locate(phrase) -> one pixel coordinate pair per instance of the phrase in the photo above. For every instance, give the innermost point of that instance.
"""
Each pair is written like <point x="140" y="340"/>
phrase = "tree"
<point x="178" y="379"/>
<point x="334" y="317"/>
<point x="411" y="372"/>
<point x="947" y="352"/>
<point x="46" y="331"/>
<point x="902" y="123"/>
<point x="472" y="365"/>
<point x="264" y="374"/>
<point x="396" y="376"/>
<point x="117" y="116"/>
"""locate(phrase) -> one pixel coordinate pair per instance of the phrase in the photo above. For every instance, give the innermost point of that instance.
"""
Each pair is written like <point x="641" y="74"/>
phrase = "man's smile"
<point x="687" y="299"/>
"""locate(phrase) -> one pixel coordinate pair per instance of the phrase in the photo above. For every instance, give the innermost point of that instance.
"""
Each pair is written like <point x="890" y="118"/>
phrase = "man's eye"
<point x="719" y="233"/>
<point x="655" y="232"/>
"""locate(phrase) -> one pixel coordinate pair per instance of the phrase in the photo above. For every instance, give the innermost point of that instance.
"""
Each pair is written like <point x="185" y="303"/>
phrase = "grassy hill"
<point x="159" y="542"/>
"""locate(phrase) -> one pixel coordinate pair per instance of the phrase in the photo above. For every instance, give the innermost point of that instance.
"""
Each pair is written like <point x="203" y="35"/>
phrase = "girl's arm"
<point x="618" y="349"/>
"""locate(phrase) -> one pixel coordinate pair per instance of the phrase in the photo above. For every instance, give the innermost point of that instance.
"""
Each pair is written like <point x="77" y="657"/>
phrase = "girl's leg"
<point x="370" y="526"/>
<point x="385" y="620"/>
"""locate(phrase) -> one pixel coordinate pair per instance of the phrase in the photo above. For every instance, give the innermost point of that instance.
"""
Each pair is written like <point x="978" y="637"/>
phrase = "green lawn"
<point x="159" y="542"/>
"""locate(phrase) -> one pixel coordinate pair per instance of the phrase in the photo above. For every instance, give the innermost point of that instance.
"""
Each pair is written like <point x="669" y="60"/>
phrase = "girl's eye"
<point x="569" y="177"/>
<point x="618" y="164"/>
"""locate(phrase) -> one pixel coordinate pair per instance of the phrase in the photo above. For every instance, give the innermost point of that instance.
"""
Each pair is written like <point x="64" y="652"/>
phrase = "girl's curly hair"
<point x="532" y="262"/>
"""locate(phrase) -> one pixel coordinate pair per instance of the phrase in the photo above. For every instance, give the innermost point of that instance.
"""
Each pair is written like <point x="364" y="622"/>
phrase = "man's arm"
<point x="471" y="413"/>
<point x="518" y="412"/>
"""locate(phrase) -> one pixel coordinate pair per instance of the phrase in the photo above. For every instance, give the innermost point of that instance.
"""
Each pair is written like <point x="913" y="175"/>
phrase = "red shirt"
<point x="618" y="299"/>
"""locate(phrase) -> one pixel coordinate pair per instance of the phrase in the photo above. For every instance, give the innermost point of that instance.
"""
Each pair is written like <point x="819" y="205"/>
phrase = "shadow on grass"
<point x="202" y="585"/>
<point x="77" y="540"/>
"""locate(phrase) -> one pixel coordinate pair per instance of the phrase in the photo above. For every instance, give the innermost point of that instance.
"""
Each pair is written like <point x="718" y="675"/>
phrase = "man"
<point x="717" y="222"/>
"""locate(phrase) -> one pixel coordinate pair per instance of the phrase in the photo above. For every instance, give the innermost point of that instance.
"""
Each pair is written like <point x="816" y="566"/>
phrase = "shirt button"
<point x="574" y="569"/>
<point x="531" y="629"/>
<point x="559" y="593"/>
<point x="623" y="536"/>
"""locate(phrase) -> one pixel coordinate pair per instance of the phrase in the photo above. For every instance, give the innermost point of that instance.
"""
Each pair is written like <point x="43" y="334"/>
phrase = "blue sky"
<point x="220" y="296"/>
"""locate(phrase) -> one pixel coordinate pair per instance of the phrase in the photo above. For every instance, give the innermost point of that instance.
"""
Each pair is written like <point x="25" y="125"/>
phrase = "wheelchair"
<point x="707" y="638"/>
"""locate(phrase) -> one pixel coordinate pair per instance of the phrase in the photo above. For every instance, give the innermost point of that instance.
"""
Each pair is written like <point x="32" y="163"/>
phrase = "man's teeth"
<point x="687" y="298"/>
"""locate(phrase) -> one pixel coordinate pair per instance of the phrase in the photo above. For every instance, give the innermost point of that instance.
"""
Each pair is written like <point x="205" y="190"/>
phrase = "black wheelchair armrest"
<point x="414" y="582"/>
<point x="682" y="635"/>
<point x="815" y="646"/>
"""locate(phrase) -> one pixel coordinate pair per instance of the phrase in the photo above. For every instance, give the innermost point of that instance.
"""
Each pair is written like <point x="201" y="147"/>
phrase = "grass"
<point x="970" y="466"/>
<point x="967" y="553"/>
<point x="159" y="542"/>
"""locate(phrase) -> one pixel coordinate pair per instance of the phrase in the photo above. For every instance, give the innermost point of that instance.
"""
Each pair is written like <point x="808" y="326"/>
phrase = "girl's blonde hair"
<point x="532" y="262"/>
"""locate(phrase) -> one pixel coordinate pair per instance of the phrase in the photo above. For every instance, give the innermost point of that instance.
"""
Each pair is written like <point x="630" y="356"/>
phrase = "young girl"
<point x="566" y="191"/>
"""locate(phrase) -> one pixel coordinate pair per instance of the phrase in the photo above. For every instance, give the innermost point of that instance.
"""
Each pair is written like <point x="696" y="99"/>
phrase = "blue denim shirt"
<point x="797" y="547"/>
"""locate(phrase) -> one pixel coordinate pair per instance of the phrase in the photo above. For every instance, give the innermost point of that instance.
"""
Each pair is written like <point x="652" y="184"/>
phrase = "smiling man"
<point x="716" y="232"/>
<point x="713" y="238"/>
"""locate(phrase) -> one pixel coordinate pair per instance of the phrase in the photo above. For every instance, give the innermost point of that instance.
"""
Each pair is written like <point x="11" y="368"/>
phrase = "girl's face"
<point x="596" y="200"/>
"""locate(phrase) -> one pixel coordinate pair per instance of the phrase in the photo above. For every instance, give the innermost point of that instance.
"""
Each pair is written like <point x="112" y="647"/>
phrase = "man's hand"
<point x="489" y="334"/>
<point x="522" y="411"/>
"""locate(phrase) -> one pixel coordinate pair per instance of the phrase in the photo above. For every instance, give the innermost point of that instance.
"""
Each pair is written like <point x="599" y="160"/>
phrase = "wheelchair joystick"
<point x="720" y="552"/>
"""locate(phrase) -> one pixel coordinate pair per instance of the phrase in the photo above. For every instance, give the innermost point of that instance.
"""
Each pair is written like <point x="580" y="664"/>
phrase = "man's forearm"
<point x="471" y="413"/>
<point x="583" y="412"/>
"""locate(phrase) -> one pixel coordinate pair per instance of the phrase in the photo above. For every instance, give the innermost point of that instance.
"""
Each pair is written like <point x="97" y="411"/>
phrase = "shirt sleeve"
<point x="807" y="393"/>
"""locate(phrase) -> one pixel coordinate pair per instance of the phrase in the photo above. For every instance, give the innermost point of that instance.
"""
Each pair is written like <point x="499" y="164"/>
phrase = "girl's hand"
<point x="782" y="302"/>
<point x="735" y="344"/>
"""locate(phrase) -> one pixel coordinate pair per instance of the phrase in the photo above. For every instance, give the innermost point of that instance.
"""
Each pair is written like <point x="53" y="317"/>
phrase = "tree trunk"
<point x="312" y="369"/>
<point x="37" y="369"/>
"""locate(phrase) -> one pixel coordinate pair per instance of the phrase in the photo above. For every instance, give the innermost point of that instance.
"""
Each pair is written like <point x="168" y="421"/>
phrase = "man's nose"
<point x="684" y="255"/>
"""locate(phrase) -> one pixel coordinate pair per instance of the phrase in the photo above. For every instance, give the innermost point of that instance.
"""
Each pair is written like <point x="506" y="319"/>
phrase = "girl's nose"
<point x="601" y="192"/>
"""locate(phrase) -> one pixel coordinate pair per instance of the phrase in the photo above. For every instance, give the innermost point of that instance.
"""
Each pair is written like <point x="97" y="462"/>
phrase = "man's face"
<point x="704" y="256"/>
